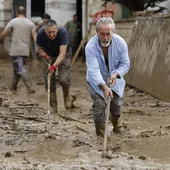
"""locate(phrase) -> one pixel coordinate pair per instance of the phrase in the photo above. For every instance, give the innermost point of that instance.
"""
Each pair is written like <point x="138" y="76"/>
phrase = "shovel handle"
<point x="48" y="90"/>
<point x="106" y="123"/>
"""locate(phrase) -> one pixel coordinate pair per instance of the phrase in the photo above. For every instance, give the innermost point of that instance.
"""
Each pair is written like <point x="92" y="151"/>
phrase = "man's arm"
<point x="34" y="34"/>
<point x="61" y="56"/>
<point x="4" y="34"/>
<point x="42" y="53"/>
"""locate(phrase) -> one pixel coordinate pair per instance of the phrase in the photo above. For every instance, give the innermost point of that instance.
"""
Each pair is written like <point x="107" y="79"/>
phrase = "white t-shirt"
<point x="21" y="36"/>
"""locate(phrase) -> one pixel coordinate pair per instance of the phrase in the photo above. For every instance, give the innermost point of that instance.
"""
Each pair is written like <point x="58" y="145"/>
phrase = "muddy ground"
<point x="30" y="140"/>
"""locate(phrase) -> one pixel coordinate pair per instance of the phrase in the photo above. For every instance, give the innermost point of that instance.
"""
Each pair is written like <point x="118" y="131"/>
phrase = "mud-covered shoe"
<point x="118" y="127"/>
<point x="100" y="128"/>
<point x="54" y="102"/>
<point x="68" y="100"/>
<point x="68" y="103"/>
<point x="15" y="81"/>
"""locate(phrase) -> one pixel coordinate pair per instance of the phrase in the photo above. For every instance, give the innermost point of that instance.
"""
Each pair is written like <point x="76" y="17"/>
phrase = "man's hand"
<point x="113" y="78"/>
<point x="106" y="90"/>
<point x="52" y="69"/>
<point x="48" y="58"/>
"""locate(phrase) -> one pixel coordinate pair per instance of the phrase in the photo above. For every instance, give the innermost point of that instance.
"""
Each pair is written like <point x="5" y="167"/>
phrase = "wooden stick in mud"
<point x="48" y="91"/>
<point x="104" y="154"/>
<point x="79" y="48"/>
<point x="72" y="119"/>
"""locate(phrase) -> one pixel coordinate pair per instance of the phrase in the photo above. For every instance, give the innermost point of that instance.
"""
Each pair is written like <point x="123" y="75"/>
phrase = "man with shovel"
<point x="53" y="46"/>
<point x="107" y="61"/>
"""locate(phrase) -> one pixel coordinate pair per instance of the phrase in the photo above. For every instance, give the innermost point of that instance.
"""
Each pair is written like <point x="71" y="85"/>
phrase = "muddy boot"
<point x="15" y="81"/>
<point x="53" y="102"/>
<point x="68" y="103"/>
<point x="117" y="126"/>
<point x="27" y="82"/>
<point x="100" y="128"/>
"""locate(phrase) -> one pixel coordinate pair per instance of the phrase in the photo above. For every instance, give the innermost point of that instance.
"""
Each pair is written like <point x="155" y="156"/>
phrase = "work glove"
<point x="52" y="69"/>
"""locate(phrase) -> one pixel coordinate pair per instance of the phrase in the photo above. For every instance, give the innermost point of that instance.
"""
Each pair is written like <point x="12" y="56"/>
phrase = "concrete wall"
<point x="124" y="28"/>
<point x="149" y="51"/>
<point x="5" y="12"/>
<point x="61" y="10"/>
<point x="5" y="16"/>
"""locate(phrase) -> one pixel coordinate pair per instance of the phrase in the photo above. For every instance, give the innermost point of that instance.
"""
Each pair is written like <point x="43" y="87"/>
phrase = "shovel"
<point x="104" y="154"/>
<point x="48" y="91"/>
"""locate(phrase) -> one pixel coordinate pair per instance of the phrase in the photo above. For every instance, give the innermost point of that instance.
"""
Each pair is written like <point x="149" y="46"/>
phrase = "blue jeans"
<point x="19" y="64"/>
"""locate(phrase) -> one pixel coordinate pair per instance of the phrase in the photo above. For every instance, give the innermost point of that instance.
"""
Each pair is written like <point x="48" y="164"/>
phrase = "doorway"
<point x="37" y="8"/>
<point x="16" y="4"/>
<point x="79" y="14"/>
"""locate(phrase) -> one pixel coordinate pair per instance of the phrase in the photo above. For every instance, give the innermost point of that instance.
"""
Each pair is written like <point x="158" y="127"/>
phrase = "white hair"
<point x="105" y="21"/>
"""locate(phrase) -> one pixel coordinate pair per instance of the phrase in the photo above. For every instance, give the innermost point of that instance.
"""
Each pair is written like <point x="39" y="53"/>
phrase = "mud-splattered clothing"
<point x="99" y="106"/>
<point x="52" y="48"/>
<point x="63" y="74"/>
<point x="98" y="72"/>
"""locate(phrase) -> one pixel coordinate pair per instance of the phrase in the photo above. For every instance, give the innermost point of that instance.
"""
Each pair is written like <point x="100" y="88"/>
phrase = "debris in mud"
<point x="82" y="129"/>
<point x="8" y="154"/>
<point x="78" y="143"/>
<point x="71" y="119"/>
<point x="116" y="147"/>
<point x="167" y="127"/>
<point x="5" y="103"/>
<point x="0" y="101"/>
<point x="50" y="136"/>
<point x="134" y="111"/>
<point x="130" y="158"/>
<point x="146" y="134"/>
<point x="142" y="157"/>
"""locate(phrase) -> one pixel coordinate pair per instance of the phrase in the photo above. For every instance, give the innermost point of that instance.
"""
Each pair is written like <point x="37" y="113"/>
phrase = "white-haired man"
<point x="107" y="61"/>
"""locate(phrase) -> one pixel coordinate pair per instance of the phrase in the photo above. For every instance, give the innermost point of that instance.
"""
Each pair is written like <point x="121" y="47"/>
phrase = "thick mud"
<point x="31" y="140"/>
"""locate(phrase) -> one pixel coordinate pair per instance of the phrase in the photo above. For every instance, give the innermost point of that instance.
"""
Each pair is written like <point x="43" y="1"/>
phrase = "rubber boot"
<point x="53" y="102"/>
<point x="100" y="128"/>
<point x="67" y="101"/>
<point x="15" y="81"/>
<point x="27" y="82"/>
<point x="117" y="126"/>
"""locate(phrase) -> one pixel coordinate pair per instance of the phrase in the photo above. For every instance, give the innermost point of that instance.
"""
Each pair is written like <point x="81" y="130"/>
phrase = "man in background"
<point x="22" y="29"/>
<point x="74" y="29"/>
<point x="45" y="18"/>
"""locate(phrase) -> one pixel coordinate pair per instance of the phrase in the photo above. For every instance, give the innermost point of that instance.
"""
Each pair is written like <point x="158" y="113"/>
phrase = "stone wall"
<point x="5" y="16"/>
<point x="149" y="51"/>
